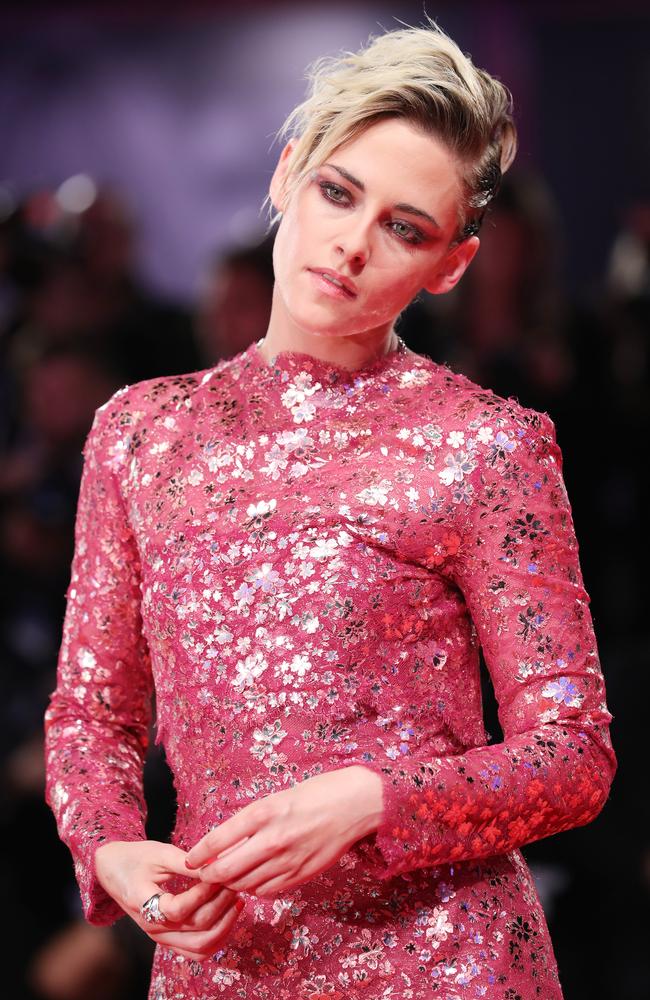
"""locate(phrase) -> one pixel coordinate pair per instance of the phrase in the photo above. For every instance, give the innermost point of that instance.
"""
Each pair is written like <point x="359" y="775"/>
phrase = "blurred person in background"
<point x="57" y="395"/>
<point x="80" y="286"/>
<point x="510" y="326"/>
<point x="146" y="335"/>
<point x="39" y="484"/>
<point x="73" y="324"/>
<point x="234" y="301"/>
<point x="505" y="326"/>
<point x="586" y="362"/>
<point x="300" y="550"/>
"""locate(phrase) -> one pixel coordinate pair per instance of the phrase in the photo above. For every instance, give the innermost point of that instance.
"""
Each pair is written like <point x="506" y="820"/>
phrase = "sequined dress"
<point x="302" y="562"/>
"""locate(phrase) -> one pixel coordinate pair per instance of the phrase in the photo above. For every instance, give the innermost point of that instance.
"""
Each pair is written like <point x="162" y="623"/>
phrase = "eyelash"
<point x="419" y="236"/>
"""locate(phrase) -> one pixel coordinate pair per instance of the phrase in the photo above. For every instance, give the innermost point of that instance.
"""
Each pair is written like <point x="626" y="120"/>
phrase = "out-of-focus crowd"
<point x="76" y="324"/>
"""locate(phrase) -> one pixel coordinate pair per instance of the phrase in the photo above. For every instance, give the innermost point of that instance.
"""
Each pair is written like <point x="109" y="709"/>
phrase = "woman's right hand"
<point x="197" y="919"/>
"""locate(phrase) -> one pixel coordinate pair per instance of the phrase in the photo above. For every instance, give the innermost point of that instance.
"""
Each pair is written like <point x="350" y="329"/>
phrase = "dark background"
<point x="137" y="146"/>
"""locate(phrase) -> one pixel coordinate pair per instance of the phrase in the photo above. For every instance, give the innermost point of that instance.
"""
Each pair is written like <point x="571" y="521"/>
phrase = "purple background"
<point x="179" y="108"/>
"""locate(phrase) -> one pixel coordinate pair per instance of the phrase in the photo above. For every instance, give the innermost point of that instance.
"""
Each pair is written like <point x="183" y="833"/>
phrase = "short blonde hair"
<point x="419" y="75"/>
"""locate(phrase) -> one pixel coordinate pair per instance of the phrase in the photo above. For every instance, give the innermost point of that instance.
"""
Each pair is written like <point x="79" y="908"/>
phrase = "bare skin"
<point x="198" y="919"/>
<point x="386" y="255"/>
<point x="291" y="836"/>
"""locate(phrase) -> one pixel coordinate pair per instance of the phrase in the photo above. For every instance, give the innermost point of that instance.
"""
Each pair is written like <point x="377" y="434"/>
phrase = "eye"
<point x="416" y="237"/>
<point x="335" y="194"/>
<point x="330" y="190"/>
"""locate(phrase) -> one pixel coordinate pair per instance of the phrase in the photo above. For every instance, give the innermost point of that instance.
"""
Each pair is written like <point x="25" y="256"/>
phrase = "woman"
<point x="302" y="549"/>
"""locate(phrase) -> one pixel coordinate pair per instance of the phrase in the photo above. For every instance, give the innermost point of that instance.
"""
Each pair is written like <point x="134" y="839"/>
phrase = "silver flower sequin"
<point x="303" y="561"/>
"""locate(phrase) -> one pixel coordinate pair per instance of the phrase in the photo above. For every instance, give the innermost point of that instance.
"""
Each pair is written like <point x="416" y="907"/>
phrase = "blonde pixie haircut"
<point x="419" y="75"/>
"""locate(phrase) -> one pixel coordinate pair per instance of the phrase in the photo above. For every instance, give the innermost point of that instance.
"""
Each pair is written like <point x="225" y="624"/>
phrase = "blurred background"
<point x="137" y="147"/>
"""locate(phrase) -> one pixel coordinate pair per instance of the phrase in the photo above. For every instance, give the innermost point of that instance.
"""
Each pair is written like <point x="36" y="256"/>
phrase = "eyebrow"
<point x="402" y="206"/>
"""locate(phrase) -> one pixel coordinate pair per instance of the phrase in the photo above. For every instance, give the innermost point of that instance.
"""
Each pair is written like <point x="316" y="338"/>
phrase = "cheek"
<point x="277" y="254"/>
<point x="390" y="280"/>
<point x="290" y="249"/>
<point x="395" y="287"/>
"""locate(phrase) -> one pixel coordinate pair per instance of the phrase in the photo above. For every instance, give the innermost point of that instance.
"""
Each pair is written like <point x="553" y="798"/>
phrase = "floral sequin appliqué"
<point x="303" y="563"/>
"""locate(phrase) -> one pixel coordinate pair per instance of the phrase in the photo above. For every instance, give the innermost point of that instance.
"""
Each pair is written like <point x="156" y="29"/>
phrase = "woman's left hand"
<point x="290" y="837"/>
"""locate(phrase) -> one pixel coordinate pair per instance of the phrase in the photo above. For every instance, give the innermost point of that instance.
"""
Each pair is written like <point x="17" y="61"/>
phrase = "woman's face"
<point x="380" y="212"/>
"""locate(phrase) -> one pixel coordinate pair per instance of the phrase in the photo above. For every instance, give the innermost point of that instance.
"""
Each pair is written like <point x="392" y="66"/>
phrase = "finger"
<point x="141" y="894"/>
<point x="179" y="907"/>
<point x="273" y="879"/>
<point x="196" y="873"/>
<point x="170" y="860"/>
<point x="273" y="888"/>
<point x="203" y="942"/>
<point x="247" y="878"/>
<point x="235" y="868"/>
<point x="243" y="824"/>
<point x="228" y="850"/>
<point x="207" y="915"/>
<point x="267" y="879"/>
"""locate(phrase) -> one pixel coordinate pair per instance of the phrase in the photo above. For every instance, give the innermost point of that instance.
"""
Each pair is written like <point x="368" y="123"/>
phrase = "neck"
<point x="349" y="351"/>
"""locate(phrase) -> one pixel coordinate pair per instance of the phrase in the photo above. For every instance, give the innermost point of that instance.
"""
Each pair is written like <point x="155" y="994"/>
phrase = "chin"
<point x="333" y="328"/>
<point x="327" y="328"/>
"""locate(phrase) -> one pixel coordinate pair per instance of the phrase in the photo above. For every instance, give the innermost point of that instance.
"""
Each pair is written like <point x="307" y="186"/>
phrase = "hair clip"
<point x="488" y="186"/>
<point x="471" y="228"/>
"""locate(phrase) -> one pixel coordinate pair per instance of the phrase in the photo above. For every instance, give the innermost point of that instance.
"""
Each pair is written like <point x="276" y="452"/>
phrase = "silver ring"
<point x="151" y="911"/>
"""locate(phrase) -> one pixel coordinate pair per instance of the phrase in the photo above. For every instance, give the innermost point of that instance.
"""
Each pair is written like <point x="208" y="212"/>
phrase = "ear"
<point x="453" y="266"/>
<point x="276" y="187"/>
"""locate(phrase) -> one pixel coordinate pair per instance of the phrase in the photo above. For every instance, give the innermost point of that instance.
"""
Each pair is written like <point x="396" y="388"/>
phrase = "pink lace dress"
<point x="303" y="562"/>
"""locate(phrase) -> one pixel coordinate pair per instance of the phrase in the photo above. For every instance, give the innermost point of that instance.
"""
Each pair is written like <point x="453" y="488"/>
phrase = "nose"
<point x="353" y="246"/>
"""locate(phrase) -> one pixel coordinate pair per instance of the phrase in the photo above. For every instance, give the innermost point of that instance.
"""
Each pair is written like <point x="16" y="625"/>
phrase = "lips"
<point x="347" y="284"/>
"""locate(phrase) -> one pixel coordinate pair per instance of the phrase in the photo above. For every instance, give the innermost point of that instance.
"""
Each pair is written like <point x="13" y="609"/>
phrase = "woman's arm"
<point x="97" y="721"/>
<point x="518" y="569"/>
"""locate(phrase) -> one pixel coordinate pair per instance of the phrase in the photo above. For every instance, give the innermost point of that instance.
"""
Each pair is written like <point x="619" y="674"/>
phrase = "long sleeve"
<point x="518" y="569"/>
<point x="97" y="720"/>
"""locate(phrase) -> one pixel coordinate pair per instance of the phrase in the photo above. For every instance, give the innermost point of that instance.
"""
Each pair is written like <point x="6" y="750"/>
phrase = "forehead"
<point x="400" y="163"/>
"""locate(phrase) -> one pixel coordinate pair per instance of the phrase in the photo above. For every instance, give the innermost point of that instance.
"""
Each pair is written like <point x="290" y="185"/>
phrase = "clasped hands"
<point x="268" y="847"/>
<point x="291" y="836"/>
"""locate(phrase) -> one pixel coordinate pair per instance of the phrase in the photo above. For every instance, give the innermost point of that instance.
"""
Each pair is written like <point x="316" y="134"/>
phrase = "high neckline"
<point x="292" y="360"/>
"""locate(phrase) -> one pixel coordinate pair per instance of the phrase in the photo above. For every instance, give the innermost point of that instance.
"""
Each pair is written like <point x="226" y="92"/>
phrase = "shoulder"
<point x="133" y="414"/>
<point x="484" y="442"/>
<point x="480" y="415"/>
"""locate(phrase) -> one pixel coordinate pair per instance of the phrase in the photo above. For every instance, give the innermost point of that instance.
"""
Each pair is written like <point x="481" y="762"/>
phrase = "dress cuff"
<point x="99" y="907"/>
<point x="391" y="850"/>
